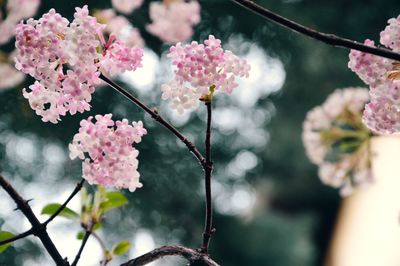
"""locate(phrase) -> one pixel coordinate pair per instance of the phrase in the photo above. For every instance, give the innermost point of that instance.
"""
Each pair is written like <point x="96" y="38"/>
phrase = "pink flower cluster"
<point x="65" y="58"/>
<point x="200" y="70"/>
<point x="109" y="159"/>
<point x="336" y="140"/>
<point x="382" y="114"/>
<point x="126" y="6"/>
<point x="16" y="10"/>
<point x="173" y="21"/>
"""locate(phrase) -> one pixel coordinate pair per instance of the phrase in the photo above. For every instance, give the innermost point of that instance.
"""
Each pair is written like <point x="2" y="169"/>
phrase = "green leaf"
<point x="80" y="235"/>
<point x="51" y="208"/>
<point x="113" y="200"/>
<point x="3" y="236"/>
<point x="121" y="248"/>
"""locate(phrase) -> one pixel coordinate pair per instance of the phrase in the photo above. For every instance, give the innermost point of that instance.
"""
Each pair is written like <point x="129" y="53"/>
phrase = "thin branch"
<point x="156" y="116"/>
<point x="62" y="207"/>
<point x="38" y="229"/>
<point x="193" y="256"/>
<point x="208" y="168"/>
<point x="17" y="237"/>
<point x="103" y="247"/>
<point x="83" y="244"/>
<point x="327" y="38"/>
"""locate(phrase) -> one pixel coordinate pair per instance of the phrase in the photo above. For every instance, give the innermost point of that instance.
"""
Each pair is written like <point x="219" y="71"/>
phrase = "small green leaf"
<point x="3" y="236"/>
<point x="121" y="248"/>
<point x="97" y="226"/>
<point x="113" y="200"/>
<point x="51" y="208"/>
<point x="80" y="235"/>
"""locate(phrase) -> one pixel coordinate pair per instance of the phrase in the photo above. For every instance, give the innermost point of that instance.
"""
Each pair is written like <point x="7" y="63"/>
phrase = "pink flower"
<point x="120" y="27"/>
<point x="9" y="76"/>
<point x="336" y="140"/>
<point x="383" y="76"/>
<point x="16" y="10"/>
<point x="201" y="69"/>
<point x="126" y="6"/>
<point x="107" y="153"/>
<point x="65" y="58"/>
<point x="173" y="22"/>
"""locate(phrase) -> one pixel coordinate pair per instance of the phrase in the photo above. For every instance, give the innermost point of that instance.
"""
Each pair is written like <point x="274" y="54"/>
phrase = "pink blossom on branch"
<point x="383" y="76"/>
<point x="201" y="70"/>
<point x="66" y="59"/>
<point x="173" y="21"/>
<point x="109" y="159"/>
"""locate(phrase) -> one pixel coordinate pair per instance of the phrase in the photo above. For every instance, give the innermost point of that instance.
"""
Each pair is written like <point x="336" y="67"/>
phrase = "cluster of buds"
<point x="336" y="140"/>
<point x="382" y="114"/>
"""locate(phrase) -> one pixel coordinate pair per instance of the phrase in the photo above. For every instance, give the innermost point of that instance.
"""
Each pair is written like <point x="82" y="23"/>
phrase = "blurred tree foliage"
<point x="292" y="220"/>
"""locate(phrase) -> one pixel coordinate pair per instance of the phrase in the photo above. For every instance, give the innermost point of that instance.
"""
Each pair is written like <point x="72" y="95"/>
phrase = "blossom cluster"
<point x="336" y="140"/>
<point x="382" y="75"/>
<point x="201" y="69"/>
<point x="66" y="59"/>
<point x="109" y="159"/>
<point x="173" y="21"/>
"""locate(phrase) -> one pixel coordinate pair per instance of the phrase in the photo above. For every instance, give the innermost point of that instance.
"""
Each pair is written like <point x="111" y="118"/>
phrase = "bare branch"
<point x="208" y="168"/>
<point x="193" y="256"/>
<point x="327" y="38"/>
<point x="156" y="116"/>
<point x="38" y="229"/>
<point x="83" y="244"/>
<point x="62" y="207"/>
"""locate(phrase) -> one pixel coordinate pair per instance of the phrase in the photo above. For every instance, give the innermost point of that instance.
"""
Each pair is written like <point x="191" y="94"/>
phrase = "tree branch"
<point x="329" y="39"/>
<point x="193" y="256"/>
<point x="156" y="116"/>
<point x="208" y="168"/>
<point x="38" y="229"/>
<point x="62" y="207"/>
<point x="17" y="237"/>
<point x="83" y="244"/>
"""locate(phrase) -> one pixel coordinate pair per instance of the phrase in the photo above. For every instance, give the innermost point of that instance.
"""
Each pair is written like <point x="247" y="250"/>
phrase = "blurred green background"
<point x="270" y="206"/>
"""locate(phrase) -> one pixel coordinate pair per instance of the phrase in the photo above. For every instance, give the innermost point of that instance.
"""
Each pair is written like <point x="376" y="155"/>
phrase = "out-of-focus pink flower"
<point x="109" y="159"/>
<point x="336" y="140"/>
<point x="16" y="10"/>
<point x="201" y="69"/>
<point x="120" y="27"/>
<point x="9" y="76"/>
<point x="174" y="22"/>
<point x="65" y="58"/>
<point x="126" y="6"/>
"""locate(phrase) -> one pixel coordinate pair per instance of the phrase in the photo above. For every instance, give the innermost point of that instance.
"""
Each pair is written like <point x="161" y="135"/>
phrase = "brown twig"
<point x="193" y="256"/>
<point x="327" y="38"/>
<point x="38" y="229"/>
<point x="157" y="117"/>
<point x="208" y="168"/>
